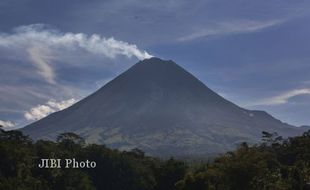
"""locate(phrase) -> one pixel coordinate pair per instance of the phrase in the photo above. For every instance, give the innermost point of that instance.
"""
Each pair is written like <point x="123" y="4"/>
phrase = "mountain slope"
<point x="159" y="107"/>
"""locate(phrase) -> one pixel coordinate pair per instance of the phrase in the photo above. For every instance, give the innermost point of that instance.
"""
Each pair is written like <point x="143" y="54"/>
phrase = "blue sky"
<point x="254" y="53"/>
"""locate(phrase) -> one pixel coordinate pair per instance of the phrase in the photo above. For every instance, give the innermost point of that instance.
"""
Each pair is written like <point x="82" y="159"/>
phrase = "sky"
<point x="253" y="53"/>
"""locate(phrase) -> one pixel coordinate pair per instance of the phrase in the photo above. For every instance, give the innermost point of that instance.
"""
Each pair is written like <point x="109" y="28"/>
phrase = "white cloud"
<point x="62" y="104"/>
<point x="232" y="27"/>
<point x="39" y="44"/>
<point x="51" y="106"/>
<point x="284" y="98"/>
<point x="7" y="124"/>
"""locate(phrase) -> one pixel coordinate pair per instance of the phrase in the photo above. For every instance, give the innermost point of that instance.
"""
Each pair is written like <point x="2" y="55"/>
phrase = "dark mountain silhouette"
<point x="161" y="108"/>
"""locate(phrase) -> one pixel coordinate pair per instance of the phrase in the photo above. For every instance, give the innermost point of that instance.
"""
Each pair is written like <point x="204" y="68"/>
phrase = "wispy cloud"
<point x="7" y="124"/>
<point x="44" y="110"/>
<point x="306" y="82"/>
<point x="232" y="27"/>
<point x="40" y="59"/>
<point x="39" y="43"/>
<point x="284" y="97"/>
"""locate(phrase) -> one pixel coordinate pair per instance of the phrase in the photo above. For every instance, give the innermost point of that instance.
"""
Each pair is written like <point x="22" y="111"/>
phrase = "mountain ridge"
<point x="161" y="108"/>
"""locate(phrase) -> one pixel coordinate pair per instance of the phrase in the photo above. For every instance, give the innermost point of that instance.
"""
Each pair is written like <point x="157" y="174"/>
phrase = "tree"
<point x="70" y="138"/>
<point x="169" y="173"/>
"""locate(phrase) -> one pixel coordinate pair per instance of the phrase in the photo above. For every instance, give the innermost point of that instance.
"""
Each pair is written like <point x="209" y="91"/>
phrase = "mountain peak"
<point x="156" y="63"/>
<point x="154" y="60"/>
<point x="155" y="70"/>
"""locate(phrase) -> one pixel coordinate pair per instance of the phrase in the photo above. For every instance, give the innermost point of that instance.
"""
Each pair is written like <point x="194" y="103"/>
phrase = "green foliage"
<point x="276" y="164"/>
<point x="169" y="173"/>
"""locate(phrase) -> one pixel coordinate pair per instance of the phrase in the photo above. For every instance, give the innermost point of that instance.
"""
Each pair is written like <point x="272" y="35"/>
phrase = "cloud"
<point x="40" y="58"/>
<point x="284" y="98"/>
<point x="40" y="44"/>
<point x="232" y="27"/>
<point x="7" y="124"/>
<point x="51" y="106"/>
<point x="306" y="82"/>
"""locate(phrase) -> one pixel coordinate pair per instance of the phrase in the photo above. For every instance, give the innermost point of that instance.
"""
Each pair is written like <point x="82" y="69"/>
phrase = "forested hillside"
<point x="274" y="164"/>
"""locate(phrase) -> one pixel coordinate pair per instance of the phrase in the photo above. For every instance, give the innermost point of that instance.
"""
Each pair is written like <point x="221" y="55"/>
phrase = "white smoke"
<point x="38" y="43"/>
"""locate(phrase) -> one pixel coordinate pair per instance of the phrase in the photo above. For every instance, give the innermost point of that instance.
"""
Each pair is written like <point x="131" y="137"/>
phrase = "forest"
<point x="274" y="164"/>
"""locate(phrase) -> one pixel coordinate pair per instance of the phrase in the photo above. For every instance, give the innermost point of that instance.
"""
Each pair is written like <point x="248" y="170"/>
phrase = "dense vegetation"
<point x="275" y="164"/>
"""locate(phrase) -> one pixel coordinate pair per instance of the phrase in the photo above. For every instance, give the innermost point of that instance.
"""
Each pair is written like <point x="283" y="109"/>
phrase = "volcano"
<point x="159" y="107"/>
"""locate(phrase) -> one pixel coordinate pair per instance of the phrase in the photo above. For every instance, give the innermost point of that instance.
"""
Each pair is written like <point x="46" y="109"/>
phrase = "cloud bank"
<point x="39" y="43"/>
<point x="44" y="110"/>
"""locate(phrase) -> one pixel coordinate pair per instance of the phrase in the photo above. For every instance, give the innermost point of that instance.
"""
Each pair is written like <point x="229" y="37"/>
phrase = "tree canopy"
<point x="275" y="164"/>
